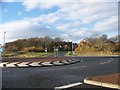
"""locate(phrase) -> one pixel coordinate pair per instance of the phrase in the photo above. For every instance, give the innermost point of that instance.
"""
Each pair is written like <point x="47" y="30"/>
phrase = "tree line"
<point x="99" y="45"/>
<point x="38" y="44"/>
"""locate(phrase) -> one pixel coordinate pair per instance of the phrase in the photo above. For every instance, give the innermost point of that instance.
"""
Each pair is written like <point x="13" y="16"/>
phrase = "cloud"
<point x="44" y="4"/>
<point x="46" y="18"/>
<point x="73" y="10"/>
<point x="79" y="18"/>
<point x="23" y="29"/>
<point x="68" y="26"/>
<point x="76" y="34"/>
<point x="19" y="13"/>
<point x="5" y="10"/>
<point x="59" y="1"/>
<point x="107" y="25"/>
<point x="8" y="0"/>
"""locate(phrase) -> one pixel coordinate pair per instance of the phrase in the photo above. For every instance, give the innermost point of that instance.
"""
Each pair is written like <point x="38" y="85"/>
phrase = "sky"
<point x="68" y="19"/>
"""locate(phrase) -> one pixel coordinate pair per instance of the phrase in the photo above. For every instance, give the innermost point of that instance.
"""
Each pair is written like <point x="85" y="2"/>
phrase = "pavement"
<point x="102" y="84"/>
<point x="60" y="76"/>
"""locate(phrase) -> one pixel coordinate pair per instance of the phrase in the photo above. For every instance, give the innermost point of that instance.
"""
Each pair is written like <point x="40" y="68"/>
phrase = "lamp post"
<point x="0" y="53"/>
<point x="55" y="54"/>
<point x="71" y="45"/>
<point x="4" y="38"/>
<point x="4" y="44"/>
<point x="46" y="48"/>
<point x="55" y="48"/>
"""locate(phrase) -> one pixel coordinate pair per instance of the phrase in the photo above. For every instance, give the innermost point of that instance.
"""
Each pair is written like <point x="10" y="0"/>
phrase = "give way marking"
<point x="68" y="86"/>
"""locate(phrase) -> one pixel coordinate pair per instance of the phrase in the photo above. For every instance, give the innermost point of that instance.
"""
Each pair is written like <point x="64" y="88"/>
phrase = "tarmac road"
<point x="51" y="77"/>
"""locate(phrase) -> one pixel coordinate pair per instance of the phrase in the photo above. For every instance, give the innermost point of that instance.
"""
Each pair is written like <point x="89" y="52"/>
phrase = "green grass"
<point x="69" y="54"/>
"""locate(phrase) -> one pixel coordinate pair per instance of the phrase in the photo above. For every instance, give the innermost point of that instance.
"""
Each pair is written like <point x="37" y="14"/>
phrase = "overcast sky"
<point x="68" y="19"/>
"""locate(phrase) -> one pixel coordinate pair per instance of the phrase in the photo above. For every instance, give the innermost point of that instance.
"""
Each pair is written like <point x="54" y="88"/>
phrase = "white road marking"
<point x="81" y="60"/>
<point x="1" y="64"/>
<point x="57" y="63"/>
<point x="106" y="62"/>
<point x="69" y="60"/>
<point x="11" y="64"/>
<point x="68" y="86"/>
<point x="35" y="64"/>
<point x="23" y="64"/>
<point x="65" y="62"/>
<point x="78" y="67"/>
<point x="53" y="69"/>
<point x="47" y="63"/>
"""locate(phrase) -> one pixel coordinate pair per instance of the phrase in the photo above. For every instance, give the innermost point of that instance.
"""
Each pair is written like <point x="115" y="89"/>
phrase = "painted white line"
<point x="47" y="63"/>
<point x="35" y="64"/>
<point x="68" y="86"/>
<point x="1" y="64"/>
<point x="65" y="62"/>
<point x="57" y="63"/>
<point x="11" y="64"/>
<point x="78" y="67"/>
<point x="23" y="64"/>
<point x="69" y="60"/>
<point x="106" y="62"/>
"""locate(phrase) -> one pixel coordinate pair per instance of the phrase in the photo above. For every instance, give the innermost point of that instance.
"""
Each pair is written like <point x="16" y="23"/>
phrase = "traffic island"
<point x="37" y="62"/>
<point x="109" y="81"/>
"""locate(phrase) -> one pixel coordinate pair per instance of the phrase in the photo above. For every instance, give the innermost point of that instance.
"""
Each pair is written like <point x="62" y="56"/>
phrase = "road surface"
<point x="51" y="77"/>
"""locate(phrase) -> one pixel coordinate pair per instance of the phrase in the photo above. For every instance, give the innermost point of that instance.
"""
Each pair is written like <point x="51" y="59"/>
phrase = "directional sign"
<point x="1" y="50"/>
<point x="45" y="50"/>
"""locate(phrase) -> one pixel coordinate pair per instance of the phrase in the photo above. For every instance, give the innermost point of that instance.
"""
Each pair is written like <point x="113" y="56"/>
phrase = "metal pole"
<point x="54" y="49"/>
<point x="4" y="38"/>
<point x="54" y="46"/>
<point x="4" y="45"/>
<point x="71" y="45"/>
<point x="0" y="53"/>
<point x="46" y="48"/>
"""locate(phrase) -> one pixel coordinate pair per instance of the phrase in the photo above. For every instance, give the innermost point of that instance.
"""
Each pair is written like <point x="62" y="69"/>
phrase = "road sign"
<point x="45" y="50"/>
<point x="1" y="50"/>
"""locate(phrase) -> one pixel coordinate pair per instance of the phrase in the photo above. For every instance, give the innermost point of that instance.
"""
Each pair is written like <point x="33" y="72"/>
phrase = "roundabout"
<point x="36" y="62"/>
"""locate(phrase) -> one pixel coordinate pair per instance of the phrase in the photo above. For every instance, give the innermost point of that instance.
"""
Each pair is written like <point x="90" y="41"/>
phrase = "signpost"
<point x="46" y="51"/>
<point x="56" y="52"/>
<point x="1" y="50"/>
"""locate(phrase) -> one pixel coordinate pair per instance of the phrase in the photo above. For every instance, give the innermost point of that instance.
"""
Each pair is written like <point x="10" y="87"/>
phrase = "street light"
<point x="4" y="38"/>
<point x="4" y="44"/>
<point x="55" y="53"/>
<point x="0" y="53"/>
<point x="46" y="48"/>
<point x="71" y="45"/>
